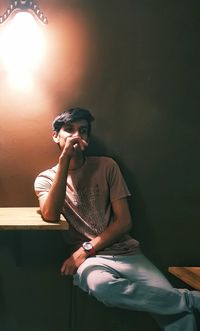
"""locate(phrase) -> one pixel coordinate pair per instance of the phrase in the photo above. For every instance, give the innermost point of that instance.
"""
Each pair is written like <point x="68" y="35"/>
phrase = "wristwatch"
<point x="88" y="248"/>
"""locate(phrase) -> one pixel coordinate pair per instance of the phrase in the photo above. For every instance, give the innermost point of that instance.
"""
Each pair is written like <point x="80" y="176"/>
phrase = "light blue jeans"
<point x="134" y="283"/>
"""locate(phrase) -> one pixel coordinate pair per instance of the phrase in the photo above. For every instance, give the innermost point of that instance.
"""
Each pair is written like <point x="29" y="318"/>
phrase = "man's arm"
<point x="121" y="225"/>
<point x="51" y="206"/>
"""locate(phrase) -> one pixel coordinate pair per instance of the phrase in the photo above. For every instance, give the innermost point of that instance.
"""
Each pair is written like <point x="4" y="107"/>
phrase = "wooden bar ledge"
<point x="27" y="218"/>
<point x="189" y="275"/>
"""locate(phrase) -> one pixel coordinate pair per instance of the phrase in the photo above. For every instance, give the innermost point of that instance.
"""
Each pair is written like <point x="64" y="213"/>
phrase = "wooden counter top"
<point x="189" y="275"/>
<point x="27" y="218"/>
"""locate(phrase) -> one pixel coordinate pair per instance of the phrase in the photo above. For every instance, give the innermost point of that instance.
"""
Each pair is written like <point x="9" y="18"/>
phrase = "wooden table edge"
<point x="14" y="218"/>
<point x="187" y="275"/>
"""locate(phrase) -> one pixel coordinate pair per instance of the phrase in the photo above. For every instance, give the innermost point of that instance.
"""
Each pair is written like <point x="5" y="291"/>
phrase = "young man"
<point x="105" y="261"/>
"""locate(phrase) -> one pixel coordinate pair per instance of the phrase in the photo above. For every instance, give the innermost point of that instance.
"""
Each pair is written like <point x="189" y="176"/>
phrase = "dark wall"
<point x="135" y="65"/>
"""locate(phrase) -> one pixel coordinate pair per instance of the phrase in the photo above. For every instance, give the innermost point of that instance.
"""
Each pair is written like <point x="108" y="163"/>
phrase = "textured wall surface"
<point x="134" y="63"/>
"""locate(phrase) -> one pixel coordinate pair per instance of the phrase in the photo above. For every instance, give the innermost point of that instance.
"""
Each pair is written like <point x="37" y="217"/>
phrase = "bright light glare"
<point x="22" y="49"/>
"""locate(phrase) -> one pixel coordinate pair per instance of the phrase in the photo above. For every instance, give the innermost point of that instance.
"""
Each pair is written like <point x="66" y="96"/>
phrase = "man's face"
<point x="73" y="129"/>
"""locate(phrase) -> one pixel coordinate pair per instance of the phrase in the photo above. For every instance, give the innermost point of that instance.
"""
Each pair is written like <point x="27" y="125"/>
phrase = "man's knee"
<point x="98" y="283"/>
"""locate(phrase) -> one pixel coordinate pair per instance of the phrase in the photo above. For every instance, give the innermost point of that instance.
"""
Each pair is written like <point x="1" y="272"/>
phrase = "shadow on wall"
<point x="97" y="147"/>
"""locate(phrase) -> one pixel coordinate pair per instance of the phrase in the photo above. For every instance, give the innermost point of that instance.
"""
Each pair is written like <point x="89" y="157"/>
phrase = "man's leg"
<point x="178" y="322"/>
<point x="134" y="283"/>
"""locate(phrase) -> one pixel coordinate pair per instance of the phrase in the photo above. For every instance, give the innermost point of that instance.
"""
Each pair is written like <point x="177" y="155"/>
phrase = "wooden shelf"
<point x="27" y="218"/>
<point x="189" y="275"/>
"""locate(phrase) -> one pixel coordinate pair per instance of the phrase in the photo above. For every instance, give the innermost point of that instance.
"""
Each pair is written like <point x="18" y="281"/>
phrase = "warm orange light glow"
<point x="22" y="48"/>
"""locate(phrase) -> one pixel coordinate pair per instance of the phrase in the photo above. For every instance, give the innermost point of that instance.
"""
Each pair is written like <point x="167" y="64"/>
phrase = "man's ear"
<point x="56" y="137"/>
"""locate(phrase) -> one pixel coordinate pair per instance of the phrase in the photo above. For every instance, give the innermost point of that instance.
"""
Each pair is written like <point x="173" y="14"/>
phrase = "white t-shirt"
<point x="90" y="191"/>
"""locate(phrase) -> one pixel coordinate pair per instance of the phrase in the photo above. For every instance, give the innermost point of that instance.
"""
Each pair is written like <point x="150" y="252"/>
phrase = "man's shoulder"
<point x="49" y="173"/>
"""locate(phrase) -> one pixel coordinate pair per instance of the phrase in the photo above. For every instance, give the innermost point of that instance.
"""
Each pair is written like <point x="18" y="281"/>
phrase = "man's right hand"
<point x="71" y="145"/>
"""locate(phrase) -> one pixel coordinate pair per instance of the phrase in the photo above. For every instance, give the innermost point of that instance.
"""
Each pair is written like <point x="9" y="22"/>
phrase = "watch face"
<point x="87" y="246"/>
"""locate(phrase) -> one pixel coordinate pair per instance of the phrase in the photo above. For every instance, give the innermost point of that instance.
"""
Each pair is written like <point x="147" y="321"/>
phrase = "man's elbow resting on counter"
<point x="50" y="218"/>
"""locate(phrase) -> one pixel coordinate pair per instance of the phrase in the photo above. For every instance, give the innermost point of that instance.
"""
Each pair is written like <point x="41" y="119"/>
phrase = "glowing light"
<point x="22" y="49"/>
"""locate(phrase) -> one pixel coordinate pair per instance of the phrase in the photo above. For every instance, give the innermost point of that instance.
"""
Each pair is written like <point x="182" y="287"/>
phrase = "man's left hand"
<point x="71" y="264"/>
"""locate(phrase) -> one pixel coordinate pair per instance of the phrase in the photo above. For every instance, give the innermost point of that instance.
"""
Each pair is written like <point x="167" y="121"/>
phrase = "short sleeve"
<point x="117" y="185"/>
<point x="43" y="183"/>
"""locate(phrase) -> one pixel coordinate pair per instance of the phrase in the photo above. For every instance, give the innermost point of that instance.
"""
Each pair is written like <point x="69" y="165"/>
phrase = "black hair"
<point x="72" y="115"/>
